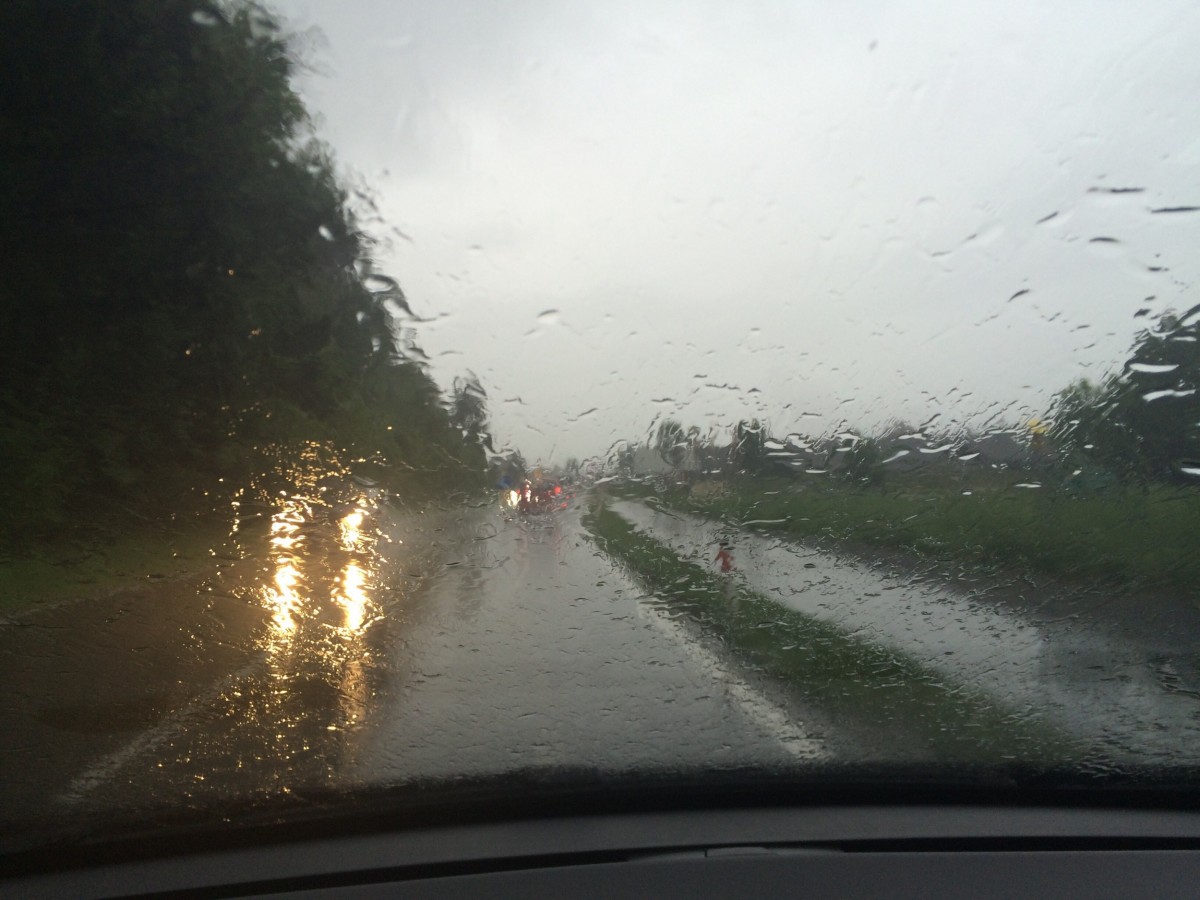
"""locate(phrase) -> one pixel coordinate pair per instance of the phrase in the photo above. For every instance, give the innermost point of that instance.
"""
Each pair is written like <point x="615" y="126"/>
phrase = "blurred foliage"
<point x="1143" y="424"/>
<point x="864" y="463"/>
<point x="749" y="446"/>
<point x="671" y="442"/>
<point x="507" y="470"/>
<point x="185" y="282"/>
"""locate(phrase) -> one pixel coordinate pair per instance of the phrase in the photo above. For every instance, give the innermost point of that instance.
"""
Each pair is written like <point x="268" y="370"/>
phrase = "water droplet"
<point x="324" y="232"/>
<point x="1151" y="396"/>
<point x="377" y="284"/>
<point x="205" y="17"/>
<point x="1153" y="368"/>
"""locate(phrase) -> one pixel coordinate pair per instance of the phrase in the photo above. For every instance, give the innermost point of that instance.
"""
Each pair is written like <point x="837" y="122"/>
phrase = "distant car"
<point x="541" y="498"/>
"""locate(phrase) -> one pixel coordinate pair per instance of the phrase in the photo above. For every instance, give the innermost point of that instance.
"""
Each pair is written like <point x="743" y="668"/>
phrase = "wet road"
<point x="368" y="647"/>
<point x="1119" y="672"/>
<point x="351" y="645"/>
<point x="532" y="650"/>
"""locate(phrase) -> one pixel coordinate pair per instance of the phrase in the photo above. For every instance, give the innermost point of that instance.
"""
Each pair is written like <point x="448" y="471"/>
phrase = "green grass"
<point x="851" y="680"/>
<point x="89" y="567"/>
<point x="1145" y="540"/>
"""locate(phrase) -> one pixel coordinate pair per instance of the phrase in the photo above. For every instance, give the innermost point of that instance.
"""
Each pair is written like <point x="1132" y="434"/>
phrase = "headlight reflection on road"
<point x="283" y="595"/>
<point x="312" y="575"/>
<point x="284" y="599"/>
<point x="351" y="529"/>
<point x="315" y="571"/>
<point x="353" y="597"/>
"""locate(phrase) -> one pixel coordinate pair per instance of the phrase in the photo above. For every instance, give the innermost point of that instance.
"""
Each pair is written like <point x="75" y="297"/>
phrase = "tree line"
<point x="185" y="281"/>
<point x="1141" y="424"/>
<point x="1137" y="426"/>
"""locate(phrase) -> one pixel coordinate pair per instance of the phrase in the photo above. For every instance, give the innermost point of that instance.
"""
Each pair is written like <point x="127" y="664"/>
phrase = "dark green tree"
<point x="468" y="410"/>
<point x="671" y="442"/>
<point x="749" y="446"/>
<point x="185" y="281"/>
<point x="517" y="465"/>
<point x="864" y="463"/>
<point x="1142" y="424"/>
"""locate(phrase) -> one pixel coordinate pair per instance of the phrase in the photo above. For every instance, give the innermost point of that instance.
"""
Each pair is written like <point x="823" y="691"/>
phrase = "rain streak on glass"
<point x="447" y="393"/>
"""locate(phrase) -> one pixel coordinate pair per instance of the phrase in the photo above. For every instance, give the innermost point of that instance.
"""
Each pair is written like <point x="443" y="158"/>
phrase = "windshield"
<point x="402" y="395"/>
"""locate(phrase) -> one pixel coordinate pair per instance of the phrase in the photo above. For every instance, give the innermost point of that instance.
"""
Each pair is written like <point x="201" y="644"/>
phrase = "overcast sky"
<point x="813" y="213"/>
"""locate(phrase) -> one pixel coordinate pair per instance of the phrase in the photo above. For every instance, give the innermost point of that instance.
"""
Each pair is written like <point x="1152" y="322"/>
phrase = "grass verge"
<point x="70" y="570"/>
<point x="1128" y="539"/>
<point x="865" y="686"/>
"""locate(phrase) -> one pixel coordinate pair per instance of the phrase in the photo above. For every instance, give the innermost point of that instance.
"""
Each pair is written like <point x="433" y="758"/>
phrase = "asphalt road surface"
<point x="362" y="645"/>
<point x="368" y="647"/>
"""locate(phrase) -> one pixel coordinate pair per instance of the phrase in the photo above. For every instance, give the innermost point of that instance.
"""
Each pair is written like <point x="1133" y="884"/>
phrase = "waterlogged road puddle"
<point x="1133" y="698"/>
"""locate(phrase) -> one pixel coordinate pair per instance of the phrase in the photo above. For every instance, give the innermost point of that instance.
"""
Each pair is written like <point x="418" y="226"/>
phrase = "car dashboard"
<point x="816" y="851"/>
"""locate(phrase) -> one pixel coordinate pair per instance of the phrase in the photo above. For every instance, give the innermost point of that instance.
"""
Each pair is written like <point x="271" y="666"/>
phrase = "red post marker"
<point x="725" y="557"/>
